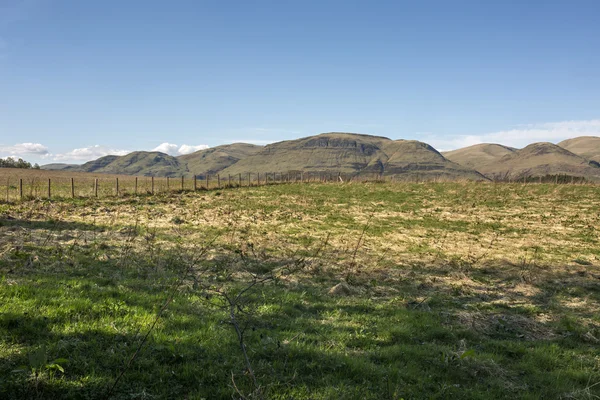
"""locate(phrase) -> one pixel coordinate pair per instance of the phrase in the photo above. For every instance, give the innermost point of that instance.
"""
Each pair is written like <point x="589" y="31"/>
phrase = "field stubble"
<point x="405" y="291"/>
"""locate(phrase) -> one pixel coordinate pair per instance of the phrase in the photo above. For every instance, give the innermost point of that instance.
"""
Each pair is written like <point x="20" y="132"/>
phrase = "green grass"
<point x="457" y="291"/>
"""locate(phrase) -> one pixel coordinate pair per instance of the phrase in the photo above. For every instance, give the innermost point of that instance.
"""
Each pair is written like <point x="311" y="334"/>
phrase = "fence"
<point x="15" y="188"/>
<point x="60" y="185"/>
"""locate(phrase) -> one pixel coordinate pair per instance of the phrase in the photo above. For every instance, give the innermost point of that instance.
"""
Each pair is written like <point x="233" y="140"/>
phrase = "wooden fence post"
<point x="258" y="179"/>
<point x="219" y="181"/>
<point x="207" y="180"/>
<point x="72" y="187"/>
<point x="152" y="187"/>
<point x="249" y="183"/>
<point x="168" y="186"/>
<point x="96" y="187"/>
<point x="182" y="183"/>
<point x="240" y="180"/>
<point x="20" y="188"/>
<point x="49" y="188"/>
<point x="195" y="183"/>
<point x="7" y="189"/>
<point x="117" y="186"/>
<point x="229" y="180"/>
<point x="136" y="184"/>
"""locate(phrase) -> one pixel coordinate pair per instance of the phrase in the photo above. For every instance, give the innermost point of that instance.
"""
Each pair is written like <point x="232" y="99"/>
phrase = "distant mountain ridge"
<point x="354" y="154"/>
<point x="535" y="160"/>
<point x="154" y="163"/>
<point x="584" y="146"/>
<point x="478" y="155"/>
<point x="215" y="159"/>
<point x="359" y="154"/>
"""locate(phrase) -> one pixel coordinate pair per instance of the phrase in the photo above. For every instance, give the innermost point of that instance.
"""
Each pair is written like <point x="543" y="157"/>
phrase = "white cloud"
<point x="520" y="136"/>
<point x="24" y="149"/>
<point x="174" y="149"/>
<point x="168" y="148"/>
<point x="87" y="153"/>
<point x="187" y="149"/>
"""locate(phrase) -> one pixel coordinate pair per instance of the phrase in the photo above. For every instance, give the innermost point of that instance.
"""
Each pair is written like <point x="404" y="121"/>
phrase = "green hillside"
<point x="479" y="155"/>
<point x="584" y="146"/>
<point x="355" y="154"/>
<point x="159" y="164"/>
<point x="541" y="159"/>
<point x="59" y="167"/>
<point x="362" y="155"/>
<point x="215" y="159"/>
<point x="141" y="163"/>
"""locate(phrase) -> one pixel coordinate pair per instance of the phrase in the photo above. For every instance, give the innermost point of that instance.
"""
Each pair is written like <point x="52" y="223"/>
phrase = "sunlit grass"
<point x="456" y="290"/>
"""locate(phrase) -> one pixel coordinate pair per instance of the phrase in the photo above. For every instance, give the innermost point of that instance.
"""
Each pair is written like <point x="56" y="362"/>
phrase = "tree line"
<point x="18" y="163"/>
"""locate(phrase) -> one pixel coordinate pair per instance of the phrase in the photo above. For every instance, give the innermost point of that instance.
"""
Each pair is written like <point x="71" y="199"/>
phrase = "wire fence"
<point x="27" y="184"/>
<point x="32" y="186"/>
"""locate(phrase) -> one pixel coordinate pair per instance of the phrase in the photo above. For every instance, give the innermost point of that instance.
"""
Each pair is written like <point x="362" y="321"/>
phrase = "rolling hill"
<point x="411" y="157"/>
<point x="215" y="159"/>
<point x="540" y="159"/>
<point x="98" y="164"/>
<point x="479" y="155"/>
<point x="138" y="163"/>
<point x="141" y="163"/>
<point x="154" y="163"/>
<point x="356" y="154"/>
<point x="59" y="166"/>
<point x="584" y="146"/>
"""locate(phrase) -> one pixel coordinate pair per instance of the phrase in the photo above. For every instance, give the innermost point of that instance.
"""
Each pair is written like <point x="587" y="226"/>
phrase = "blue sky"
<point x="81" y="79"/>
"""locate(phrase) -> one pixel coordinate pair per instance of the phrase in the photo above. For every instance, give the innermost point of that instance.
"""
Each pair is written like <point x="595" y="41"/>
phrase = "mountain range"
<point x="500" y="162"/>
<point x="358" y="154"/>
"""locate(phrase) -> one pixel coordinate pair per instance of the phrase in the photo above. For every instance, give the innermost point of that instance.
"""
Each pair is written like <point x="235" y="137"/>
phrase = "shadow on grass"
<point x="302" y="342"/>
<point x="49" y="225"/>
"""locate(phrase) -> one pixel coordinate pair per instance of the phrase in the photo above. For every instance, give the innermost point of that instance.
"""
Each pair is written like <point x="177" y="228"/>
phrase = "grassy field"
<point x="34" y="183"/>
<point x="331" y="291"/>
